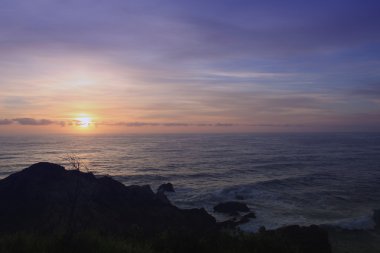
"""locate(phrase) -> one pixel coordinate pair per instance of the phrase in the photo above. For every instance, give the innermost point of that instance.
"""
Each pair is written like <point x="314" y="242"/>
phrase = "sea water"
<point x="285" y="179"/>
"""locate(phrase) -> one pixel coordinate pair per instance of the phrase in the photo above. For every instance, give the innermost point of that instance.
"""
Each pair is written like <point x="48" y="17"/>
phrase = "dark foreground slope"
<point x="356" y="241"/>
<point x="45" y="208"/>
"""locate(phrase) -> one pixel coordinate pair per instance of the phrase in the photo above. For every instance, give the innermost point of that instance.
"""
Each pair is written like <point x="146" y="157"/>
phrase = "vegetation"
<point x="75" y="162"/>
<point x="163" y="243"/>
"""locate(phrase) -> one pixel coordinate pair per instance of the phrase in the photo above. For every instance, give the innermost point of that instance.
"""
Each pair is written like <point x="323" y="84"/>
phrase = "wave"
<point x="276" y="184"/>
<point x="365" y="222"/>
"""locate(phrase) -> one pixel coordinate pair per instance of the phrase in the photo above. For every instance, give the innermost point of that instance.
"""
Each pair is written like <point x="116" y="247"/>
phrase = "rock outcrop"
<point x="47" y="198"/>
<point x="168" y="187"/>
<point x="231" y="207"/>
<point x="237" y="220"/>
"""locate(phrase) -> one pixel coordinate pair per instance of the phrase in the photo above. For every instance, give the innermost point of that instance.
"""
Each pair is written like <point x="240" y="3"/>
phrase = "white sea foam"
<point x="365" y="222"/>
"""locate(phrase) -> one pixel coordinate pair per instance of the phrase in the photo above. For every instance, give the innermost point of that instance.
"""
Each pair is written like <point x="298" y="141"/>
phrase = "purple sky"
<point x="202" y="65"/>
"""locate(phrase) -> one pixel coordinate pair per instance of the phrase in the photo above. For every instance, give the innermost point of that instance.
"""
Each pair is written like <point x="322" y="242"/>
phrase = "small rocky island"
<point x="46" y="208"/>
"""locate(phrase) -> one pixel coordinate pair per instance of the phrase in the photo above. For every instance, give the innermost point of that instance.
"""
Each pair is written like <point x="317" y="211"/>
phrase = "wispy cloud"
<point x="166" y="124"/>
<point x="5" y="121"/>
<point x="74" y="122"/>
<point x="33" y="122"/>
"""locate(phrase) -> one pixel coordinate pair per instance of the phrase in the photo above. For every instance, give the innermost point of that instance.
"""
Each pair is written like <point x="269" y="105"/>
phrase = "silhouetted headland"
<point x="46" y="200"/>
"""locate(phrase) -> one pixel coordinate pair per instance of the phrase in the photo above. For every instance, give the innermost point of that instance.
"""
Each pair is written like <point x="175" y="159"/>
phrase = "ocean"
<point x="285" y="179"/>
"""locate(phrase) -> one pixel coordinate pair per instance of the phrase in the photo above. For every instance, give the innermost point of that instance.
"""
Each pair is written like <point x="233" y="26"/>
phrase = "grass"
<point x="81" y="243"/>
<point x="163" y="243"/>
<point x="356" y="241"/>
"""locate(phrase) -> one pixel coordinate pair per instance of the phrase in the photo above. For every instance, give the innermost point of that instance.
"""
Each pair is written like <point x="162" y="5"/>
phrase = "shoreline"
<point x="47" y="174"/>
<point x="47" y="200"/>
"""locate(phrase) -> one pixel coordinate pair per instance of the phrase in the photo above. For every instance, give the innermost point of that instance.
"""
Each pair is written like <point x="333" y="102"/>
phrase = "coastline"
<point x="339" y="239"/>
<point x="286" y="179"/>
<point x="48" y="203"/>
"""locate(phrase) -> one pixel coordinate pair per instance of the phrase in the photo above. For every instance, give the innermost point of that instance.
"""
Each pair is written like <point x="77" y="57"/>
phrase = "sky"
<point x="126" y="66"/>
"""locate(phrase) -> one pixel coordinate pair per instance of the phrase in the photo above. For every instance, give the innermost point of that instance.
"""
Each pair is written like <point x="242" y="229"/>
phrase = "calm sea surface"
<point x="285" y="178"/>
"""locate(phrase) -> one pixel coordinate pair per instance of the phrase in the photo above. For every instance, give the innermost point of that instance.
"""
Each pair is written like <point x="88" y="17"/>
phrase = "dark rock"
<point x="199" y="217"/>
<point x="47" y="198"/>
<point x="231" y="207"/>
<point x="168" y="187"/>
<point x="262" y="229"/>
<point x="246" y="218"/>
<point x="162" y="197"/>
<point x="250" y="215"/>
<point x="229" y="224"/>
<point x="236" y="221"/>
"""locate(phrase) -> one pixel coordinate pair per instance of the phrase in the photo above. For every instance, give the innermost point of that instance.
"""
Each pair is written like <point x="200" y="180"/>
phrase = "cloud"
<point x="225" y="124"/>
<point x="132" y="124"/>
<point x="279" y="125"/>
<point x="5" y="121"/>
<point x="178" y="124"/>
<point x="46" y="122"/>
<point x="165" y="124"/>
<point x="357" y="121"/>
<point x="34" y="122"/>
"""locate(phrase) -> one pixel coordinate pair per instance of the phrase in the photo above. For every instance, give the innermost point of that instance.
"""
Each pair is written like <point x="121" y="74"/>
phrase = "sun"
<point x="84" y="122"/>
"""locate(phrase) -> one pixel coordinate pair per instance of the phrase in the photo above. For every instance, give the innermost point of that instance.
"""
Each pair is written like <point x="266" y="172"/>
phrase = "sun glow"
<point x="84" y="122"/>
